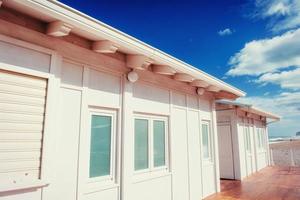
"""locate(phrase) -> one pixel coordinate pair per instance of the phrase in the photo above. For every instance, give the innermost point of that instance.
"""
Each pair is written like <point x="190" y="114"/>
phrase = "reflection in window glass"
<point x="205" y="141"/>
<point x="141" y="160"/>
<point x="159" y="143"/>
<point x="247" y="139"/>
<point x="100" y="148"/>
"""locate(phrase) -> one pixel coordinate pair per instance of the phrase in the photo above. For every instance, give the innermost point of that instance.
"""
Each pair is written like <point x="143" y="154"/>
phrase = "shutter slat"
<point x="13" y="136"/>
<point x="17" y="108"/>
<point x="22" y="91"/>
<point x="15" y="117"/>
<point x="20" y="155"/>
<point x="15" y="99"/>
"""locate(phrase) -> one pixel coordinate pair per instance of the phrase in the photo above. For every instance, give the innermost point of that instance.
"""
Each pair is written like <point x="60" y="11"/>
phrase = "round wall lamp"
<point x="132" y="76"/>
<point x="200" y="91"/>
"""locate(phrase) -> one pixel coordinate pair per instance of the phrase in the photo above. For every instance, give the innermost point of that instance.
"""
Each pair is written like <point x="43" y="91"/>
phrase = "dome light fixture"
<point x="132" y="76"/>
<point x="200" y="91"/>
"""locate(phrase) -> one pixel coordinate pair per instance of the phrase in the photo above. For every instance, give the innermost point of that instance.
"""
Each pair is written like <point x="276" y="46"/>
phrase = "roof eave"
<point x="82" y="21"/>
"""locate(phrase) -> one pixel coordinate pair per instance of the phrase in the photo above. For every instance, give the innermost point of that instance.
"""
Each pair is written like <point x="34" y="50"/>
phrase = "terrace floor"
<point x="271" y="183"/>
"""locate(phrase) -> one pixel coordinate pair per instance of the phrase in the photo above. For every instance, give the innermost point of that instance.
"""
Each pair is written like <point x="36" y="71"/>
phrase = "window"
<point x="159" y="143"/>
<point x="150" y="143"/>
<point x="141" y="147"/>
<point x="206" y="140"/>
<point x="101" y="145"/>
<point x="259" y="138"/>
<point x="247" y="139"/>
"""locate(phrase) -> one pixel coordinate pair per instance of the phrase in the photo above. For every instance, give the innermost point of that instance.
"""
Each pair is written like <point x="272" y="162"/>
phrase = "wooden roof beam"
<point x="199" y="83"/>
<point x="138" y="61"/>
<point x="58" y="29"/>
<point x="225" y="95"/>
<point x="163" y="69"/>
<point x="104" y="46"/>
<point x="213" y="88"/>
<point x="183" y="77"/>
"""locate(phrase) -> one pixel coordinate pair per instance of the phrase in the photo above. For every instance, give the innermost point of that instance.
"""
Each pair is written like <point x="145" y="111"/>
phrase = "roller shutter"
<point x="22" y="110"/>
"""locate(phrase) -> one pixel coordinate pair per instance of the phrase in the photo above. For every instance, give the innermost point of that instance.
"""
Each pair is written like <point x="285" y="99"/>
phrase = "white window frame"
<point x="210" y="140"/>
<point x="113" y="114"/>
<point x="151" y="119"/>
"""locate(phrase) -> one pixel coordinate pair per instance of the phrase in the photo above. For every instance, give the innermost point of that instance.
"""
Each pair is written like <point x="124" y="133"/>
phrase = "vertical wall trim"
<point x="170" y="143"/>
<point x="50" y="126"/>
<point x="216" y="147"/>
<point x="200" y="145"/>
<point x="255" y="145"/>
<point x="127" y="129"/>
<point x="82" y="129"/>
<point x="269" y="153"/>
<point x="187" y="142"/>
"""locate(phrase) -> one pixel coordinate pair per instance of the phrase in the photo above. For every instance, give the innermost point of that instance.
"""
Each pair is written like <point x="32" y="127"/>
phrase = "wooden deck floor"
<point x="272" y="183"/>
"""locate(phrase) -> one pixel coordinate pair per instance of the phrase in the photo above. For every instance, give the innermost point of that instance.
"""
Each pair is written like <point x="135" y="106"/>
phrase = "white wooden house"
<point x="88" y="112"/>
<point x="242" y="138"/>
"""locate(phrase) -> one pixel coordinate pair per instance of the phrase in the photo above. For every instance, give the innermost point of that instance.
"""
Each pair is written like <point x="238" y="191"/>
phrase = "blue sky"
<point x="253" y="45"/>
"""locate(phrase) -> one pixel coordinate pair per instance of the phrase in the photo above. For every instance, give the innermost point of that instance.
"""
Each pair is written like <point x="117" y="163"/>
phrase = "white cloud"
<point x="224" y="32"/>
<point x="286" y="105"/>
<point x="287" y="79"/>
<point x="267" y="55"/>
<point x="283" y="14"/>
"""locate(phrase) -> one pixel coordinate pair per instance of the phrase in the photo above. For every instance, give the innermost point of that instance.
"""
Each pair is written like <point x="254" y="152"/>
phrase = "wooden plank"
<point x="274" y="183"/>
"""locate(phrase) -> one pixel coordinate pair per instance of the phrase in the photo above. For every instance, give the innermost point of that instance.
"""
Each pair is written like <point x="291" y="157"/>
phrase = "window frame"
<point x="113" y="114"/>
<point x="151" y="119"/>
<point x="209" y="134"/>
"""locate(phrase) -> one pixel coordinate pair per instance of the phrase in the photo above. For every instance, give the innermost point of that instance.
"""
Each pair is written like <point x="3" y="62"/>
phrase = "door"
<point x="248" y="151"/>
<point x="225" y="151"/>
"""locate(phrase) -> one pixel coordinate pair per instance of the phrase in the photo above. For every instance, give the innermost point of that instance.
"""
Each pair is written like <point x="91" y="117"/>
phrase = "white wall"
<point x="76" y="88"/>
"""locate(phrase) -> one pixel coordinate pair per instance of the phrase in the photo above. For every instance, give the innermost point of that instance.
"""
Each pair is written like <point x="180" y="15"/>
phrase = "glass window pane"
<point x="248" y="141"/>
<point x="205" y="141"/>
<point x="159" y="143"/>
<point x="141" y="144"/>
<point x="258" y="138"/>
<point x="100" y="148"/>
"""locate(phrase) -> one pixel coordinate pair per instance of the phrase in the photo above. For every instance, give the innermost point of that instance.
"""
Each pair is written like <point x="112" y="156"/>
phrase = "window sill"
<point x="208" y="162"/>
<point x="147" y="176"/>
<point x="23" y="186"/>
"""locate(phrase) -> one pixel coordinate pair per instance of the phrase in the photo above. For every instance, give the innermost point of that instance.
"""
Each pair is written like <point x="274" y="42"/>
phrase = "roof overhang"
<point x="83" y="25"/>
<point x="250" y="109"/>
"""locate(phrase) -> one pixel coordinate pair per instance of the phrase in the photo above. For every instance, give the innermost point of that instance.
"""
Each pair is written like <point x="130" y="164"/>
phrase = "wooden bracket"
<point x="104" y="46"/>
<point x="138" y="61"/>
<point x="58" y="29"/>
